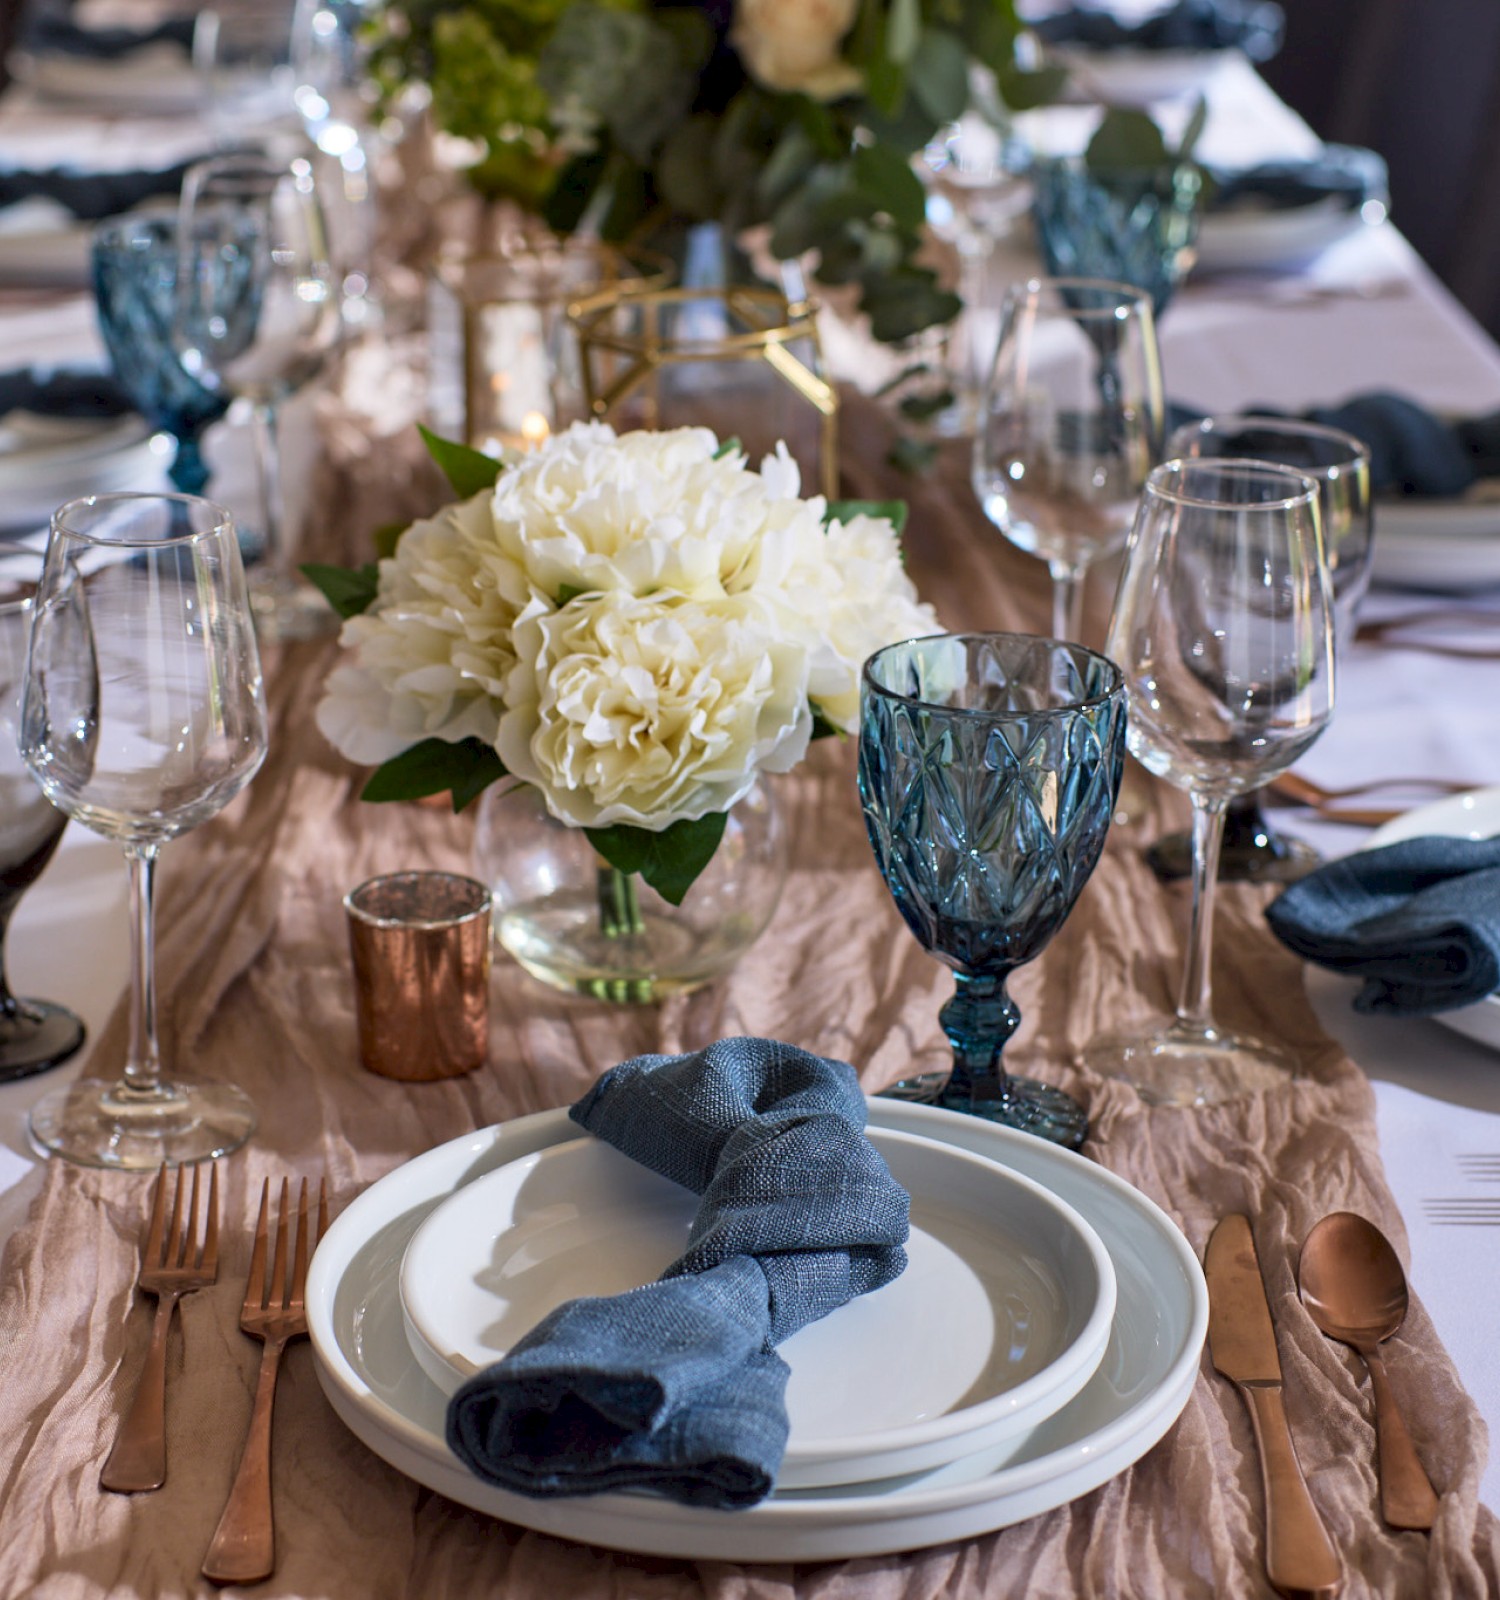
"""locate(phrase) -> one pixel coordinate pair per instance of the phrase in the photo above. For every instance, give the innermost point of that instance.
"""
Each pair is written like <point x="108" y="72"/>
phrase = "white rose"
<point x="650" y="711"/>
<point x="852" y="596"/>
<point x="793" y="45"/>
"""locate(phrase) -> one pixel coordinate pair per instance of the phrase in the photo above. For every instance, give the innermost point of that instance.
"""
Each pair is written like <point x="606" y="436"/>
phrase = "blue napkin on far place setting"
<point x="676" y="1386"/>
<point x="52" y="31"/>
<point x="1347" y="173"/>
<point x="1254" y="26"/>
<point x="1418" y="921"/>
<point x="62" y="392"/>
<point x="91" y="196"/>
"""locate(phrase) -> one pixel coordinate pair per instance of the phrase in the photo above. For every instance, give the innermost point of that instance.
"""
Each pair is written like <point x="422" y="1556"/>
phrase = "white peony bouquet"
<point x="637" y="625"/>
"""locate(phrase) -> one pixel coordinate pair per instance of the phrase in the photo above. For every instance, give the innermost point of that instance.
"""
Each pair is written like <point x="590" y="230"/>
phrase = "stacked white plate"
<point x="46" y="460"/>
<point x="1006" y="1229"/>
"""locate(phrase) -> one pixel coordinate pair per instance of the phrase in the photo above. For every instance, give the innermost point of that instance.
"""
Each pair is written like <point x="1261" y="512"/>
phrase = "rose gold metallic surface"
<point x="421" y="948"/>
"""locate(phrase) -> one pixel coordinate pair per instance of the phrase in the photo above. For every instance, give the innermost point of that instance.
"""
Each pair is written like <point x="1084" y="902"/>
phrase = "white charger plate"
<point x="1010" y="1284"/>
<point x="1446" y="546"/>
<point x="45" y="461"/>
<point x="1148" y="1371"/>
<point x="1463" y="816"/>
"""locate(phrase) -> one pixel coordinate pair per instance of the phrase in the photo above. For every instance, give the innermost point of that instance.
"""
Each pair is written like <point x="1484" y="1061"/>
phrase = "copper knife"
<point x="1300" y="1560"/>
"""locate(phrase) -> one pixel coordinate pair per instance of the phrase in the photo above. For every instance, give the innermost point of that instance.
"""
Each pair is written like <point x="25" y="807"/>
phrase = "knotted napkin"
<point x="1419" y="921"/>
<point x="1254" y="26"/>
<point x="676" y="1386"/>
<point x="1343" y="172"/>
<point x="62" y="392"/>
<point x="91" y="196"/>
<point x="53" y="31"/>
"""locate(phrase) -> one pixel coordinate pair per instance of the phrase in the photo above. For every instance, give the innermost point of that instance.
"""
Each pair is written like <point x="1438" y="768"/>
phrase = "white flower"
<point x="652" y="711"/>
<point x="793" y="45"/>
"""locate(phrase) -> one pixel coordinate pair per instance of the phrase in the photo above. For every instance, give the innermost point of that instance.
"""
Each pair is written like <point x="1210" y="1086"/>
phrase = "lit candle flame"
<point x="534" y="430"/>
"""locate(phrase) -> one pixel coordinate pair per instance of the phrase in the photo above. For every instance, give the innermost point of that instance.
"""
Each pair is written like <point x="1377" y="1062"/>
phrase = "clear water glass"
<point x="142" y="716"/>
<point x="1339" y="464"/>
<point x="1223" y="627"/>
<point x="1071" y="423"/>
<point x="988" y="769"/>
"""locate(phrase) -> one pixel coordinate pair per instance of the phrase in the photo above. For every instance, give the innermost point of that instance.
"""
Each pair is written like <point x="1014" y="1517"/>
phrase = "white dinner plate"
<point x="1463" y="816"/>
<point x="1135" y="77"/>
<point x="1011" y="1284"/>
<point x="46" y="460"/>
<point x="1149" y="1368"/>
<point x="1447" y="546"/>
<point x="1253" y="238"/>
<point x="157" y="78"/>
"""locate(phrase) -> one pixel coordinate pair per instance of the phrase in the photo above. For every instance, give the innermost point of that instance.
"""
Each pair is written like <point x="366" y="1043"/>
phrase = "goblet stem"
<point x="1195" y="1003"/>
<point x="1067" y="598"/>
<point x="143" y="1061"/>
<point x="268" y="481"/>
<point x="978" y="1020"/>
<point x="189" y="471"/>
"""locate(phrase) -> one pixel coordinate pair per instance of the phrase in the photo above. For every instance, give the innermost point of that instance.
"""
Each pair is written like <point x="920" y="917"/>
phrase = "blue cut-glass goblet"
<point x="988" y="768"/>
<point x="135" y="285"/>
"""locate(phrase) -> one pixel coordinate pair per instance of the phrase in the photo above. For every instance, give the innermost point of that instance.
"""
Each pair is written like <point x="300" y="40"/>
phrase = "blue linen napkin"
<point x="676" y="1386"/>
<point x="62" y="392"/>
<point x="1413" y="452"/>
<point x="1344" y="172"/>
<point x="1419" y="921"/>
<point x="1254" y="26"/>
<point x="91" y="196"/>
<point x="50" y="31"/>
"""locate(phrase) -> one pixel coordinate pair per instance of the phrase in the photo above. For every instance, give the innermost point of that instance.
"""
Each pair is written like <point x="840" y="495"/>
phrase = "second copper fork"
<point x="243" y="1548"/>
<point x="173" y="1262"/>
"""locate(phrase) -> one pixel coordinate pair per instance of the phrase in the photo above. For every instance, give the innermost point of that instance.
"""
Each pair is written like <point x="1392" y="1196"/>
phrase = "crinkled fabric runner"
<point x="256" y="989"/>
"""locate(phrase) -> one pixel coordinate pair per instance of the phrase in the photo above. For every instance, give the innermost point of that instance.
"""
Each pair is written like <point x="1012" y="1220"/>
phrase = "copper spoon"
<point x="1355" y="1291"/>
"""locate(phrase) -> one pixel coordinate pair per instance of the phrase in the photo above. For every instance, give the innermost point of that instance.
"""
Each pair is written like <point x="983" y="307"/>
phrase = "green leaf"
<point x="939" y="75"/>
<point x="574" y="191"/>
<point x="924" y="407"/>
<point x="902" y="303"/>
<point x="686" y="181"/>
<point x="903" y="29"/>
<point x="915" y="456"/>
<point x="1024" y="89"/>
<point x="348" y="591"/>
<point x="670" y="860"/>
<point x="1126" y="140"/>
<point x="1194" y="130"/>
<point x="885" y="85"/>
<point x="727" y="447"/>
<point x="569" y="591"/>
<point x="467" y="767"/>
<point x="886" y="178"/>
<point x="894" y="511"/>
<point x="467" y="470"/>
<point x="822" y="728"/>
<point x="386" y="537"/>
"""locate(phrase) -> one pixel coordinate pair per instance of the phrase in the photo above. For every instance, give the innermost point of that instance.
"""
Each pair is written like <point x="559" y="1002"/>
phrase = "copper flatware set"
<point x="1354" y="1290"/>
<point x="176" y="1258"/>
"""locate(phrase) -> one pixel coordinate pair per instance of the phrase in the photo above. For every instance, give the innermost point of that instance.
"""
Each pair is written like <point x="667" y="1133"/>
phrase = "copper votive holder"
<point x="421" y="948"/>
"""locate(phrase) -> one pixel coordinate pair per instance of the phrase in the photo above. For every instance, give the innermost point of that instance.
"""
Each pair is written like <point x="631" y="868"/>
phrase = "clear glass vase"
<point x="581" y="925"/>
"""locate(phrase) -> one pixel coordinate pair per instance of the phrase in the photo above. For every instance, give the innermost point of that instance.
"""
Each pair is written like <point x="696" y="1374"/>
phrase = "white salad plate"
<point x="1250" y="237"/>
<point x="1009" y="1283"/>
<point x="1463" y="816"/>
<point x="1140" y="1388"/>
<point x="1133" y="76"/>
<point x="155" y="78"/>
<point x="45" y="460"/>
<point x="1447" y="546"/>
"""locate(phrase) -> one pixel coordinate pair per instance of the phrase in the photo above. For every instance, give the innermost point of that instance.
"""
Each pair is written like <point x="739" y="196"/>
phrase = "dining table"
<point x="255" y="989"/>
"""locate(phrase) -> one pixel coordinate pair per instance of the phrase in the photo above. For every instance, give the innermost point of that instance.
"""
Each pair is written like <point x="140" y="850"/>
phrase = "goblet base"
<point x="99" y="1124"/>
<point x="1026" y="1104"/>
<point x="1260" y="857"/>
<point x="285" y="607"/>
<point x="40" y="1035"/>
<point x="1181" y="1067"/>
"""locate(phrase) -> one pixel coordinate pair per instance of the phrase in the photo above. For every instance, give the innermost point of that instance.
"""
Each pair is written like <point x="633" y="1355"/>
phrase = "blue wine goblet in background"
<point x="135" y="285"/>
<point x="988" y="770"/>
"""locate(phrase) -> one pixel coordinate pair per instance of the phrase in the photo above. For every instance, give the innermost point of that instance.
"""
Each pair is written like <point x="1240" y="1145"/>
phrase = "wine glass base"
<point x="286" y="607"/>
<point x="1027" y="1105"/>
<point x="1266" y="857"/>
<point x="1173" y="1068"/>
<point x="98" y="1124"/>
<point x="39" y="1036"/>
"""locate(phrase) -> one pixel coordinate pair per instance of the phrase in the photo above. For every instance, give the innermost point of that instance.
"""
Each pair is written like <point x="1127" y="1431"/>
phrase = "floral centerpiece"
<point x="800" y="116"/>
<point x="637" y="626"/>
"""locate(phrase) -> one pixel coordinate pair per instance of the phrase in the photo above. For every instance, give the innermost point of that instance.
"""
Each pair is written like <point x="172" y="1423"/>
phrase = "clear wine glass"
<point x="1223" y="628"/>
<point x="257" y="316"/>
<point x="142" y="715"/>
<point x="1254" y="852"/>
<point x="34" y="1034"/>
<point x="1071" y="424"/>
<point x="988" y="769"/>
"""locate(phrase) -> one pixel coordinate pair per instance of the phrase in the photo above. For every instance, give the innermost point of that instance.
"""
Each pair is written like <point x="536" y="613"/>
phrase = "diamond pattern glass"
<point x="988" y="769"/>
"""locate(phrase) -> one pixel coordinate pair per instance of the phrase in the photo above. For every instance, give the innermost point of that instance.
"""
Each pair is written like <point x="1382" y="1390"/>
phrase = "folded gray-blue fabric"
<point x="1419" y="921"/>
<point x="676" y="1386"/>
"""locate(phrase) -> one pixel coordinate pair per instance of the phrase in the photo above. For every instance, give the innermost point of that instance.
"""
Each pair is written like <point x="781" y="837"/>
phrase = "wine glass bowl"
<point x="143" y="714"/>
<point x="1223" y="629"/>
<point x="988" y="769"/>
<point x="1070" y="425"/>
<point x="1339" y="464"/>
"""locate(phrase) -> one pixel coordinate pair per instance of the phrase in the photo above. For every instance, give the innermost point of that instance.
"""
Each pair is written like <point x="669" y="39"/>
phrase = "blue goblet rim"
<point x="1355" y="456"/>
<point x="1154" y="171"/>
<point x="1128" y="298"/>
<point x="1070" y="708"/>
<point x="1161" y="486"/>
<point x="220" y="521"/>
<point x="157" y="227"/>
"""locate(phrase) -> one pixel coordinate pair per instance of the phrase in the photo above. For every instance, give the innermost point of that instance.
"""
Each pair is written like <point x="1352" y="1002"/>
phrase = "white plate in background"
<point x="1446" y="546"/>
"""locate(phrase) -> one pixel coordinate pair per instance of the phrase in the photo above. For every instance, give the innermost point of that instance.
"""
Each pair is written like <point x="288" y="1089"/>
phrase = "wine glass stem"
<point x="978" y="1020"/>
<point x="143" y="1063"/>
<point x="1195" y="1005"/>
<point x="1067" y="600"/>
<point x="268" y="478"/>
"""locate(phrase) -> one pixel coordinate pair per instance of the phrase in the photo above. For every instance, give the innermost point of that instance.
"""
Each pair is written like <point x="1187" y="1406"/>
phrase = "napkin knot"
<point x="676" y="1385"/>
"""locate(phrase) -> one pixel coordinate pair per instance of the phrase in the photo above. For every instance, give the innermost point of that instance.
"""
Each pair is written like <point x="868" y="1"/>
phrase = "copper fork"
<point x="173" y="1263"/>
<point x="243" y="1548"/>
